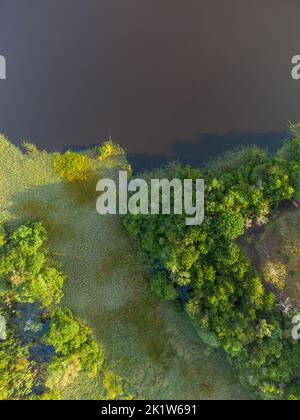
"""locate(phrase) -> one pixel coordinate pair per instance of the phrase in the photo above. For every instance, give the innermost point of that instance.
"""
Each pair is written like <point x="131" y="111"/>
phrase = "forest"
<point x="231" y="305"/>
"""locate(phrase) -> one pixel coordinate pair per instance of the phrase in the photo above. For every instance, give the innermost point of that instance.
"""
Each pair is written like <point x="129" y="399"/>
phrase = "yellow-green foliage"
<point x="105" y="151"/>
<point x="112" y="155"/>
<point x="113" y="385"/>
<point x="275" y="274"/>
<point x="74" y="166"/>
<point x="109" y="149"/>
<point x="17" y="373"/>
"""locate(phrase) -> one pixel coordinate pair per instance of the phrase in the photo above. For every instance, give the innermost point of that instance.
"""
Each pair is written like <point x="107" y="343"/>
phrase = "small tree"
<point x="163" y="288"/>
<point x="74" y="166"/>
<point x="230" y="225"/>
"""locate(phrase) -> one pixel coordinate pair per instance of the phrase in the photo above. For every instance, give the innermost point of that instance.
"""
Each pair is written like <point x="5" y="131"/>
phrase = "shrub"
<point x="71" y="338"/>
<point x="105" y="151"/>
<point x="161" y="286"/>
<point x="62" y="371"/>
<point x="74" y="166"/>
<point x="4" y="287"/>
<point x="275" y="274"/>
<point x="114" y="387"/>
<point x="17" y="372"/>
<point x="26" y="269"/>
<point x="66" y="334"/>
<point x="2" y="236"/>
<point x="91" y="356"/>
<point x="230" y="225"/>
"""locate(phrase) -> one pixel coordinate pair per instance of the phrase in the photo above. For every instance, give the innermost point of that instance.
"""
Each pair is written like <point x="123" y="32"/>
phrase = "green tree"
<point x="162" y="287"/>
<point x="25" y="267"/>
<point x="230" y="225"/>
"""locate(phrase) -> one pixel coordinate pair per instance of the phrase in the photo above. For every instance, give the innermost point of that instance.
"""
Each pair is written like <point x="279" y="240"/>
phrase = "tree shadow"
<point x="208" y="146"/>
<point x="212" y="145"/>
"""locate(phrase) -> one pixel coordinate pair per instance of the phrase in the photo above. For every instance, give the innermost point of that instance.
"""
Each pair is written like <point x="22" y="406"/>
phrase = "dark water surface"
<point x="184" y="78"/>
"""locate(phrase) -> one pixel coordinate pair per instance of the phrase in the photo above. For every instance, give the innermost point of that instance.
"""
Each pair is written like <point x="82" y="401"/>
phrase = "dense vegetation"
<point x="45" y="346"/>
<point x="107" y="286"/>
<point x="226" y="299"/>
<point x="230" y="305"/>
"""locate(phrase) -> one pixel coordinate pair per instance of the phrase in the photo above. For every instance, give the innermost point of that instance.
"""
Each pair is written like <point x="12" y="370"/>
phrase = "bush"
<point x="109" y="149"/>
<point x="17" y="372"/>
<point x="161" y="286"/>
<point x="275" y="274"/>
<point x="71" y="338"/>
<point x="25" y="267"/>
<point x="115" y="387"/>
<point x="62" y="371"/>
<point x="4" y="287"/>
<point x="2" y="236"/>
<point x="105" y="151"/>
<point x="66" y="334"/>
<point x="230" y="225"/>
<point x="74" y="166"/>
<point x="91" y="357"/>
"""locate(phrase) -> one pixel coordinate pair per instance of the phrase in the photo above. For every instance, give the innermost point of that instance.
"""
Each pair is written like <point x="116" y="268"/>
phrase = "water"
<point x="182" y="79"/>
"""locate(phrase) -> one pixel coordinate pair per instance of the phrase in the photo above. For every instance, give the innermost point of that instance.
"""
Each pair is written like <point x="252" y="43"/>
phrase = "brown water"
<point x="162" y="77"/>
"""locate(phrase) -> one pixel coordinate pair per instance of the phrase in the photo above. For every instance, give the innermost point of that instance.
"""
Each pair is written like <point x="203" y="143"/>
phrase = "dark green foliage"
<point x="161" y="286"/>
<point x="66" y="334"/>
<point x="91" y="356"/>
<point x="4" y="287"/>
<point x="229" y="304"/>
<point x="25" y="267"/>
<point x="2" y="236"/>
<point x="230" y="225"/>
<point x="70" y="338"/>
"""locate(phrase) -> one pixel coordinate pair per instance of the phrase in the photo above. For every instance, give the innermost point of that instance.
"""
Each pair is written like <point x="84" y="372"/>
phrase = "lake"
<point x="182" y="79"/>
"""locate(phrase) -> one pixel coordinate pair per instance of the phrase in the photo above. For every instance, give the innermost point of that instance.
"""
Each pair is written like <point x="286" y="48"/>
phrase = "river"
<point x="165" y="78"/>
